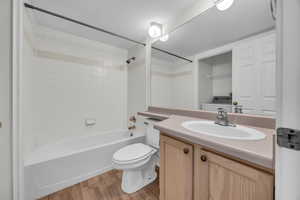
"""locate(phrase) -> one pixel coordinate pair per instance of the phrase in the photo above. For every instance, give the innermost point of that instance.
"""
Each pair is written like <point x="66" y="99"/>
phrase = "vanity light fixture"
<point x="223" y="4"/>
<point x="155" y="30"/>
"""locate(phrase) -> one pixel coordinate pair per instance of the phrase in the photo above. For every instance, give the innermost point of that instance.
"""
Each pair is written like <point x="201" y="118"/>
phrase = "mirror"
<point x="220" y="59"/>
<point x="171" y="81"/>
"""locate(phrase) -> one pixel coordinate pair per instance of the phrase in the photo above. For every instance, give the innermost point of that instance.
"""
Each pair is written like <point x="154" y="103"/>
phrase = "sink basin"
<point x="228" y="132"/>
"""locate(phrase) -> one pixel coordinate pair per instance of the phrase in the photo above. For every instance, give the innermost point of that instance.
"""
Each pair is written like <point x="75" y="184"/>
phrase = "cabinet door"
<point x="176" y="170"/>
<point x="225" y="179"/>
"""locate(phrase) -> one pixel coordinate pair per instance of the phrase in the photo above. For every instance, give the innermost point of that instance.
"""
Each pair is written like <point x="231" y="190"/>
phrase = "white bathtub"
<point x="57" y="166"/>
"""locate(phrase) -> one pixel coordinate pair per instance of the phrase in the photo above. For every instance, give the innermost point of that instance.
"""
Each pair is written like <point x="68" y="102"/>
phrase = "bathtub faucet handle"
<point x="132" y="119"/>
<point x="131" y="127"/>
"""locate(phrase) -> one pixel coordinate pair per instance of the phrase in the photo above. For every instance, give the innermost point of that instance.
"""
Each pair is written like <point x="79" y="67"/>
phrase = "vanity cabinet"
<point x="176" y="169"/>
<point x="219" y="178"/>
<point x="190" y="172"/>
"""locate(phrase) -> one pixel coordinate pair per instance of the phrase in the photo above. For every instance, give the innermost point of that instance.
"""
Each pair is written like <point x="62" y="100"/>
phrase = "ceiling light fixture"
<point x="223" y="4"/>
<point x="155" y="30"/>
<point x="164" y="38"/>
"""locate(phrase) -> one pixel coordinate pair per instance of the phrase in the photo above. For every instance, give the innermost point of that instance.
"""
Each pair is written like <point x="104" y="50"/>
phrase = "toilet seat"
<point x="133" y="153"/>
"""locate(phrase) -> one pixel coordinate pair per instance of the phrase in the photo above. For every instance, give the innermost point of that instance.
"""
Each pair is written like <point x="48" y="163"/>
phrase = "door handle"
<point x="186" y="150"/>
<point x="203" y="158"/>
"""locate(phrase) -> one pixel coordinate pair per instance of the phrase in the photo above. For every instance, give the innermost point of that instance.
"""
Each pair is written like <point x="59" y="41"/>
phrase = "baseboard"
<point x="49" y="189"/>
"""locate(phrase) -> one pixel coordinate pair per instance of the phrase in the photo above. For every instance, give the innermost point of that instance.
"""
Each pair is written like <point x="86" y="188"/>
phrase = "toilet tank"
<point x="152" y="134"/>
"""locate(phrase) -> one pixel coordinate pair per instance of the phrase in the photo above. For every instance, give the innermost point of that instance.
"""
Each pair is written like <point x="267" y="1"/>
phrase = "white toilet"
<point x="138" y="162"/>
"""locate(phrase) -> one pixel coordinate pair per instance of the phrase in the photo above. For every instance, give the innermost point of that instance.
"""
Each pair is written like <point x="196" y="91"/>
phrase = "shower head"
<point x="130" y="60"/>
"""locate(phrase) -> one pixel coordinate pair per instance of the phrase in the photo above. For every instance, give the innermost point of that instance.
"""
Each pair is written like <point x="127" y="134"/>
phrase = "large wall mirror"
<point x="171" y="81"/>
<point x="219" y="60"/>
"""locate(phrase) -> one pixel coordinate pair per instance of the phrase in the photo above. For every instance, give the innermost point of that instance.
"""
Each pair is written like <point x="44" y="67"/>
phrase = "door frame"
<point x="17" y="139"/>
<point x="288" y="115"/>
<point x="17" y="142"/>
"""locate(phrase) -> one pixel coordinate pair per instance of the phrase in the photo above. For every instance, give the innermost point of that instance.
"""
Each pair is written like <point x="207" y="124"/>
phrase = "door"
<point x="245" y="76"/>
<point x="254" y="74"/>
<point x="219" y="178"/>
<point x="176" y="169"/>
<point x="267" y="68"/>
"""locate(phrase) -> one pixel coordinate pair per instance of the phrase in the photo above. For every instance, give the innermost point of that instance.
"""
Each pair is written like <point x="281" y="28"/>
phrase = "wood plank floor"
<point x="105" y="187"/>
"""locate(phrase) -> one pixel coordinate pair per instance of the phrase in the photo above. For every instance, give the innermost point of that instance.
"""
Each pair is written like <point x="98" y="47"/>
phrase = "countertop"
<point x="259" y="152"/>
<point x="154" y="115"/>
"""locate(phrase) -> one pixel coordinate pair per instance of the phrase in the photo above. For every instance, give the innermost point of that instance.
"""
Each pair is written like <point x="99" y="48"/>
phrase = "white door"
<point x="253" y="69"/>
<point x="245" y="76"/>
<point x="267" y="69"/>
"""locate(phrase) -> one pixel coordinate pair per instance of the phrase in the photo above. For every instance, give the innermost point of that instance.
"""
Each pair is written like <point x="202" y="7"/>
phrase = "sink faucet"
<point x="222" y="118"/>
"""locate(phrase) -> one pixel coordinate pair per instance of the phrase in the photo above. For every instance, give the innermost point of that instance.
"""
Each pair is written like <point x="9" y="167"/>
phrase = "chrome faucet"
<point x="222" y="118"/>
<point x="237" y="108"/>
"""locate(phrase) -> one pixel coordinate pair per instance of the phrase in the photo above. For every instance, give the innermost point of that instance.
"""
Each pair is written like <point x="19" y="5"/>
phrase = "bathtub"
<point x="65" y="163"/>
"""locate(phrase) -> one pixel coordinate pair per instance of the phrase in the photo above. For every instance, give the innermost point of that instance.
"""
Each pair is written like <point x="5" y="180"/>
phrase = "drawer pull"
<point x="203" y="158"/>
<point x="186" y="150"/>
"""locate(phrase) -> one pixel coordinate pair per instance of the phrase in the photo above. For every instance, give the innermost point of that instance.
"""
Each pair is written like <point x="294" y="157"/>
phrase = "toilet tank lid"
<point x="132" y="152"/>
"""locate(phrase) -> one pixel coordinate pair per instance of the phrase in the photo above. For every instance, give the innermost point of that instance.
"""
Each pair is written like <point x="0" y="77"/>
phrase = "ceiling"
<point x="215" y="28"/>
<point x="129" y="18"/>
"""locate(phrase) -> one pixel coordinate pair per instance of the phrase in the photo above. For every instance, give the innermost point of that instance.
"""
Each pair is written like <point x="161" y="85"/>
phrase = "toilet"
<point x="138" y="161"/>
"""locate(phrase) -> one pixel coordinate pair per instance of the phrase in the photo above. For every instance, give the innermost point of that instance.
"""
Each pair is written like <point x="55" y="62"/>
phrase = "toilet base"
<point x="135" y="179"/>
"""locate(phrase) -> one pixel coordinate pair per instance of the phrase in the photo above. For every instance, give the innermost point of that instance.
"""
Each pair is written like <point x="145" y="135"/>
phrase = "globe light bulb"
<point x="155" y="30"/>
<point x="223" y="4"/>
<point x="164" y="38"/>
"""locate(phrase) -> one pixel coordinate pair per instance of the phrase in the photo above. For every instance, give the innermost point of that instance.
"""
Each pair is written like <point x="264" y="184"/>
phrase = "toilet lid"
<point x="132" y="152"/>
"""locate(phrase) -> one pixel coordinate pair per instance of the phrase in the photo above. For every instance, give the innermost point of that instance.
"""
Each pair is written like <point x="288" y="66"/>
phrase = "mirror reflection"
<point x="219" y="60"/>
<point x="171" y="81"/>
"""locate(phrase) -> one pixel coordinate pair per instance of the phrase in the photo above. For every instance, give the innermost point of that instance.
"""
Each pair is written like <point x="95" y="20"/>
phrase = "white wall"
<point x="222" y="75"/>
<point x="5" y="106"/>
<point x="182" y="87"/>
<point x="205" y="83"/>
<point x="161" y="81"/>
<point x="171" y="84"/>
<point x="67" y="79"/>
<point x="136" y="97"/>
<point x="26" y="87"/>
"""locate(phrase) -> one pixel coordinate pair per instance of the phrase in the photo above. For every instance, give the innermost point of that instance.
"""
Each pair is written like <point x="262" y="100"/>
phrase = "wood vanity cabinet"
<point x="176" y="169"/>
<point x="219" y="178"/>
<point x="190" y="173"/>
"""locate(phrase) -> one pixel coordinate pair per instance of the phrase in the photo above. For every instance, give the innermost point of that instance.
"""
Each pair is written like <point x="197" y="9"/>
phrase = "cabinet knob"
<point x="203" y="158"/>
<point x="186" y="150"/>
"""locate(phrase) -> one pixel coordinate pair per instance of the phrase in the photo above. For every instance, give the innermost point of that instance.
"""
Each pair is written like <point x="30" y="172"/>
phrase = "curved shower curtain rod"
<point x="101" y="30"/>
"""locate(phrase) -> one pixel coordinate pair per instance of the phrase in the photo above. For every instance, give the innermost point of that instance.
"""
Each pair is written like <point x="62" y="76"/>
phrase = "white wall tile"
<point x="67" y="79"/>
